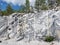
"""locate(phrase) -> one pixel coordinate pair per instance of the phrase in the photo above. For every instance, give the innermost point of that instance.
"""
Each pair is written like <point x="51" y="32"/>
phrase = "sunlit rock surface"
<point x="21" y="28"/>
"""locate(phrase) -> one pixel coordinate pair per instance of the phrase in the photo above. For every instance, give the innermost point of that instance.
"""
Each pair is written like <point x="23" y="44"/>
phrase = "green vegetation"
<point x="50" y="3"/>
<point x="44" y="7"/>
<point x="22" y="10"/>
<point x="0" y="12"/>
<point x="4" y="13"/>
<point x="53" y="3"/>
<point x="25" y="9"/>
<point x="38" y="4"/>
<point x="8" y="11"/>
<point x="27" y="6"/>
<point x="58" y="2"/>
<point x="49" y="38"/>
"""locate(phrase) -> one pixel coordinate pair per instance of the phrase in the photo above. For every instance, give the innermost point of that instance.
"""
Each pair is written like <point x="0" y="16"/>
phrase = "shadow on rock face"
<point x="0" y="41"/>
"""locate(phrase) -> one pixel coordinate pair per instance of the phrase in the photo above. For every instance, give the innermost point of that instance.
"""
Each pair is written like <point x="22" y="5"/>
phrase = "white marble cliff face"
<point x="34" y="26"/>
<point x="40" y="24"/>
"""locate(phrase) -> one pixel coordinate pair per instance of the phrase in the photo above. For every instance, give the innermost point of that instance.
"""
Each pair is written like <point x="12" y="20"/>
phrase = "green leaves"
<point x="44" y="7"/>
<point x="27" y="6"/>
<point x="4" y="13"/>
<point x="49" y="38"/>
<point x="39" y="3"/>
<point x="22" y="9"/>
<point x="9" y="9"/>
<point x="58" y="2"/>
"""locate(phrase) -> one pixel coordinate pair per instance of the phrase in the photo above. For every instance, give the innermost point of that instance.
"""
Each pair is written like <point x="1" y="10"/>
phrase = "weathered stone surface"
<point x="33" y="26"/>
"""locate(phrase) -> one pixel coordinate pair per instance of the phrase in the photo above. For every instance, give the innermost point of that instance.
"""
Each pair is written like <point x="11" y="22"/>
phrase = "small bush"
<point x="44" y="7"/>
<point x="49" y="38"/>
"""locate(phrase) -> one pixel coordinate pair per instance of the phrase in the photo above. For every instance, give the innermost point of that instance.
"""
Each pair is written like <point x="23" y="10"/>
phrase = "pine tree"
<point x="27" y="6"/>
<point x="58" y="2"/>
<point x="9" y="9"/>
<point x="0" y="10"/>
<point x="51" y="3"/>
<point x="22" y="9"/>
<point x="39" y="3"/>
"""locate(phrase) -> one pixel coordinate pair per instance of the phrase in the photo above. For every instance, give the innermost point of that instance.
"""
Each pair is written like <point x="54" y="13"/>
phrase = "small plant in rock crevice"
<point x="49" y="38"/>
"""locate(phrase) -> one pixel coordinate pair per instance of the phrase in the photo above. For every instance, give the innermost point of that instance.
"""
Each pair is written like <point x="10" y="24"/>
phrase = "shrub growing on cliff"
<point x="49" y="38"/>
<point x="44" y="7"/>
